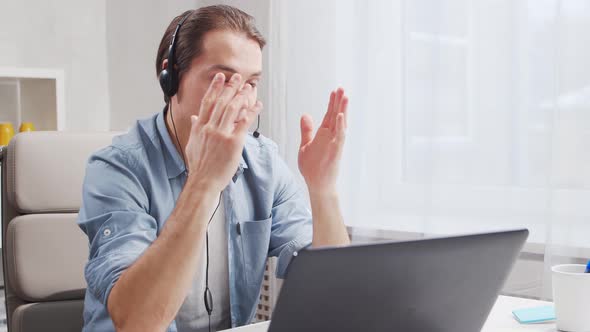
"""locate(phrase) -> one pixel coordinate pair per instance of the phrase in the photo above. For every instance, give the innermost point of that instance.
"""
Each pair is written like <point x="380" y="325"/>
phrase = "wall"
<point x="68" y="35"/>
<point x="134" y="30"/>
<point x="39" y="103"/>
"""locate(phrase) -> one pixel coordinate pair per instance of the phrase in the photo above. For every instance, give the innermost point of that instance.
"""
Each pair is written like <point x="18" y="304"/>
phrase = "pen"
<point x="588" y="267"/>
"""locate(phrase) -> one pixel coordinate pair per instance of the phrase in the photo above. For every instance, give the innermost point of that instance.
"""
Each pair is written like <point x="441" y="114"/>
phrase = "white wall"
<point x="134" y="30"/>
<point x="68" y="35"/>
<point x="39" y="103"/>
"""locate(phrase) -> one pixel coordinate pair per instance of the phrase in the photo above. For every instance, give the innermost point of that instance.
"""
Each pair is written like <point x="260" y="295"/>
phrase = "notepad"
<point x="535" y="315"/>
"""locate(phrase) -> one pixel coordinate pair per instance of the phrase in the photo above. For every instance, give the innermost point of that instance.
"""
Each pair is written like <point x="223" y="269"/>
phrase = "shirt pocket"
<point x="255" y="237"/>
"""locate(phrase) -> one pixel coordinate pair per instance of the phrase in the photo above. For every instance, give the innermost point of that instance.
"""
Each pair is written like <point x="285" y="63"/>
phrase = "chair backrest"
<point x="44" y="251"/>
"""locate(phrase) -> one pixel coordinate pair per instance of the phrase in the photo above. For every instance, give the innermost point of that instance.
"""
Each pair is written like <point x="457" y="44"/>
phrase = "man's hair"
<point x="198" y="22"/>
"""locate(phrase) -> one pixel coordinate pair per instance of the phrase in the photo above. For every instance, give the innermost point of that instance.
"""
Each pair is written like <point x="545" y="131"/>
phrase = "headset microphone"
<point x="256" y="132"/>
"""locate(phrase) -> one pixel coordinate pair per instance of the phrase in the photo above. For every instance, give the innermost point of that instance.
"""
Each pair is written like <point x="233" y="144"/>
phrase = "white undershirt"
<point x="192" y="315"/>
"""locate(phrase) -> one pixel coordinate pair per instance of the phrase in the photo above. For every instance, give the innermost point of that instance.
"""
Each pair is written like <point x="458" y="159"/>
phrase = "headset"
<point x="169" y="80"/>
<point x="169" y="76"/>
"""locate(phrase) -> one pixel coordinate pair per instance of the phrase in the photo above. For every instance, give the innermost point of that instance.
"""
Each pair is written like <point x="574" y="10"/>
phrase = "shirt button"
<point x="295" y="253"/>
<point x="106" y="232"/>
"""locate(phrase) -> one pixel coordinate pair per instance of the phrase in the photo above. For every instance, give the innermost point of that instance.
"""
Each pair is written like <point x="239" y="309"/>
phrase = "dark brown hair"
<point x="198" y="22"/>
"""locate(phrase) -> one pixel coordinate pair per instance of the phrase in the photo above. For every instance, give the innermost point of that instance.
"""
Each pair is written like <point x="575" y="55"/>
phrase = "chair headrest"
<point x="45" y="170"/>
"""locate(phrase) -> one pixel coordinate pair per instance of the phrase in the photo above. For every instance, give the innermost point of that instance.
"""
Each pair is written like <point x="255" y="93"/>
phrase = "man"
<point x="167" y="215"/>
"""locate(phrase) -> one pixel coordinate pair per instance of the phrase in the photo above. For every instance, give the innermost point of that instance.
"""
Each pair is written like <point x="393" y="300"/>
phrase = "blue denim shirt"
<point x="131" y="187"/>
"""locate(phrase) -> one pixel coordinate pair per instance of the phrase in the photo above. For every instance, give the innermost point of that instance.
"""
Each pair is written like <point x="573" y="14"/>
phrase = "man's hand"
<point x="218" y="134"/>
<point x="319" y="156"/>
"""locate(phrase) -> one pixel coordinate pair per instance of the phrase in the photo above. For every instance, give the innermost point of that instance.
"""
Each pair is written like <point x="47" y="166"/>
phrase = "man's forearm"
<point x="328" y="224"/>
<point x="149" y="293"/>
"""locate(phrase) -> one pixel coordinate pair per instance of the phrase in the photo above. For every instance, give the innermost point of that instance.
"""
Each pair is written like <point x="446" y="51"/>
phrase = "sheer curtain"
<point x="465" y="115"/>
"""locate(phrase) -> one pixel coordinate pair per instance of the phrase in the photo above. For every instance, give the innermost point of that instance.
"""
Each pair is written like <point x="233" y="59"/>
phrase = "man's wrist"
<point x="197" y="189"/>
<point x="197" y="201"/>
<point x="322" y="193"/>
<point x="200" y="184"/>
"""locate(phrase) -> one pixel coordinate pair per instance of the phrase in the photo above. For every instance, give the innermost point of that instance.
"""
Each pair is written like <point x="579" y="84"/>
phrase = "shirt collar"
<point x="172" y="159"/>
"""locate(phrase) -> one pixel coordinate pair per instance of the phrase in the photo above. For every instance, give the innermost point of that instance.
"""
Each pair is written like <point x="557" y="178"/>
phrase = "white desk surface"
<point x="499" y="320"/>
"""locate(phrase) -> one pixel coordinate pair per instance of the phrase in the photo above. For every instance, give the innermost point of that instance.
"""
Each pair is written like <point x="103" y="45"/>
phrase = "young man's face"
<point x="223" y="51"/>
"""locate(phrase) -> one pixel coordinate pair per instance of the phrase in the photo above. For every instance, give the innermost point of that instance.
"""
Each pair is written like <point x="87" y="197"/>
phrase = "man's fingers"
<point x="344" y="110"/>
<point x="232" y="111"/>
<point x="329" y="111"/>
<point x="210" y="97"/>
<point x="242" y="126"/>
<point x="225" y="98"/>
<point x="194" y="120"/>
<point x="306" y="129"/>
<point x="340" y="128"/>
<point x="336" y="109"/>
<point x="251" y="95"/>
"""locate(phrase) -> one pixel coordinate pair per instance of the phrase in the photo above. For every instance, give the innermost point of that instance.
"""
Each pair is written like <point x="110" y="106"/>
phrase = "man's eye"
<point x="253" y="84"/>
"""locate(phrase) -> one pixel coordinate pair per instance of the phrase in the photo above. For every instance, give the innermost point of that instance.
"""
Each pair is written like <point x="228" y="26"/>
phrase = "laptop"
<point x="437" y="284"/>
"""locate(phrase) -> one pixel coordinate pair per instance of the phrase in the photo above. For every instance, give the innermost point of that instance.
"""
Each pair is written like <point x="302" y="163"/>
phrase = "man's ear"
<point x="164" y="64"/>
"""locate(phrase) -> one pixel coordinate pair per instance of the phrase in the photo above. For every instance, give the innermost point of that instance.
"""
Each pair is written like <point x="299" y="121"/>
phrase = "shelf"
<point x="34" y="95"/>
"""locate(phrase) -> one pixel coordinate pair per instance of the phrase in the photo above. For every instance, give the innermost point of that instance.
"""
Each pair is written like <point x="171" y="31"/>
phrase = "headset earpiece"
<point x="165" y="82"/>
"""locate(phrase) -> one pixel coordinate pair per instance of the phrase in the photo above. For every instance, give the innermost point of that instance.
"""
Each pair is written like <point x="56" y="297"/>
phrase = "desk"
<point x="499" y="320"/>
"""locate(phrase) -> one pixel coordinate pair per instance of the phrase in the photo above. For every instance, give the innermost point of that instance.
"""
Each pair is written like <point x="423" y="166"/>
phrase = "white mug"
<point x="571" y="294"/>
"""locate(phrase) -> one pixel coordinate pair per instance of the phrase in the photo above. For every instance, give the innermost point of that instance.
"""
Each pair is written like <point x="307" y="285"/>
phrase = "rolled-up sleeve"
<point x="291" y="217"/>
<point x="114" y="217"/>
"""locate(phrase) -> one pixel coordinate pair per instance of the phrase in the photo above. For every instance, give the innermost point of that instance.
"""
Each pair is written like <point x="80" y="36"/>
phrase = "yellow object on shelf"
<point x="26" y="126"/>
<point x="6" y="133"/>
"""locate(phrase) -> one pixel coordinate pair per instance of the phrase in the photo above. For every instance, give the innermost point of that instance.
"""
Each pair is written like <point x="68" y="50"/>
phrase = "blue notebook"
<point x="535" y="315"/>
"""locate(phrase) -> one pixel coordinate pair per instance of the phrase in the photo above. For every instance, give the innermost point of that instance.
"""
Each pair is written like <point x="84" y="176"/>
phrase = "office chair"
<point x="43" y="250"/>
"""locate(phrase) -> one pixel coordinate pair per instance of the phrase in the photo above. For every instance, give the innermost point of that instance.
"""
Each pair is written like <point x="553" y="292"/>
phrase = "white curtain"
<point x="465" y="115"/>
